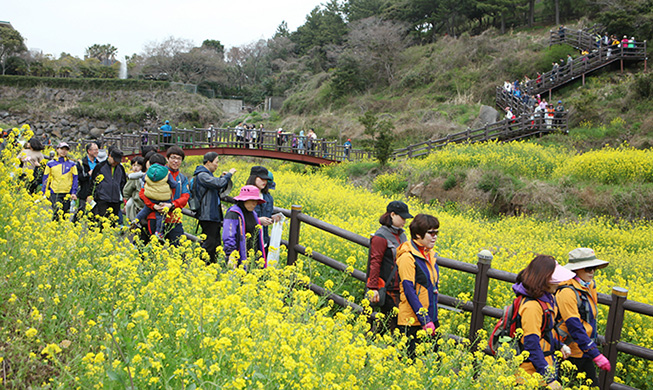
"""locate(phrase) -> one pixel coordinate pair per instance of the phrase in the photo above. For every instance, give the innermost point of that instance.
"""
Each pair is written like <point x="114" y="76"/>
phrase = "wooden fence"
<point x="483" y="271"/>
<point x="130" y="143"/>
<point x="505" y="130"/>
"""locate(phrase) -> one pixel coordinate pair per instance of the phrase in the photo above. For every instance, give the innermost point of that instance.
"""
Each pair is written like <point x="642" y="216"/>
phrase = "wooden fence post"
<point x="613" y="334"/>
<point x="293" y="234"/>
<point x="480" y="293"/>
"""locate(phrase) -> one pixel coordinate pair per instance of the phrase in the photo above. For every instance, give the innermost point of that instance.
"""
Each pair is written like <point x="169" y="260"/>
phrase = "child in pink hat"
<point x="242" y="228"/>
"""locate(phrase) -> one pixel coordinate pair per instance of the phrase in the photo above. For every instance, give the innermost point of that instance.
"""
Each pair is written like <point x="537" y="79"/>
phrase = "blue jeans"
<point x="160" y="217"/>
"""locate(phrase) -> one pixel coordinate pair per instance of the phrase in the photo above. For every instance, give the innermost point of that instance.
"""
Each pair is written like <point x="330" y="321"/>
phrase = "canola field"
<point x="84" y="308"/>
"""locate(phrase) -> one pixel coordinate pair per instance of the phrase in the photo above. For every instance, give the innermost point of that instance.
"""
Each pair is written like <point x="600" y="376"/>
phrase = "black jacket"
<point x="84" y="178"/>
<point x="110" y="188"/>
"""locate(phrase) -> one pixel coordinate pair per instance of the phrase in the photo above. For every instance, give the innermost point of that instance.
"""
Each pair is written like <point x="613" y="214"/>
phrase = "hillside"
<point x="439" y="88"/>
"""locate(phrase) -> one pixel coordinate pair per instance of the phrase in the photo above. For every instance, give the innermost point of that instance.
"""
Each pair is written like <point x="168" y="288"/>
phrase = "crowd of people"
<point x="146" y="198"/>
<point x="558" y="310"/>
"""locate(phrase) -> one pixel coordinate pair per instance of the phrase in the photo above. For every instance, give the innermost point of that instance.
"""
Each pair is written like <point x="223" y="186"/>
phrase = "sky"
<point x="71" y="26"/>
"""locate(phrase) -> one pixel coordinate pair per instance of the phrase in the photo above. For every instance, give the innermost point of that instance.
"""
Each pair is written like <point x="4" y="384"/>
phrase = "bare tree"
<point x="378" y="44"/>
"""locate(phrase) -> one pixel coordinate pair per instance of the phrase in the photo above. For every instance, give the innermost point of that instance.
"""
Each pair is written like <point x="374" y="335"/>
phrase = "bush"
<point x="390" y="184"/>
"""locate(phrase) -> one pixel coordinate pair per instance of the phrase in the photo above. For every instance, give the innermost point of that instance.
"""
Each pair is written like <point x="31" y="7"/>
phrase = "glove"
<point x="429" y="328"/>
<point x="566" y="351"/>
<point x="602" y="362"/>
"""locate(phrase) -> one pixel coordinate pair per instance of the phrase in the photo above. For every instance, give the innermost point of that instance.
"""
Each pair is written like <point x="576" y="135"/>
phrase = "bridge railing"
<point x="617" y="302"/>
<point x="131" y="143"/>
<point x="505" y="130"/>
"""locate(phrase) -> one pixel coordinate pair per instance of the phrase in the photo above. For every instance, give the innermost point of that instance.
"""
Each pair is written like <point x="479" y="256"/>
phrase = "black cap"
<point x="400" y="208"/>
<point x="259" y="171"/>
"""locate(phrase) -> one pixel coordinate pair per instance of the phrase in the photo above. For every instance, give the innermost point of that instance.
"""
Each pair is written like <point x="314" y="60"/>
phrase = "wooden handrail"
<point x="483" y="272"/>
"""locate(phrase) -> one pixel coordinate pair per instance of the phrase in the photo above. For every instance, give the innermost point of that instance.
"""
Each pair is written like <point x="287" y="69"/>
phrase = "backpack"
<point x="195" y="200"/>
<point x="584" y="312"/>
<point x="510" y="321"/>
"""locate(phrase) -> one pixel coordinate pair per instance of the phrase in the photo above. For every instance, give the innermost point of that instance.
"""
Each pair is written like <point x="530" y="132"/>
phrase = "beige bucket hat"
<point x="581" y="258"/>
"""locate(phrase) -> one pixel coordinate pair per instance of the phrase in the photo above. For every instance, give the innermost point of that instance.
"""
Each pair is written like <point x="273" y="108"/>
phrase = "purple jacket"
<point x="234" y="236"/>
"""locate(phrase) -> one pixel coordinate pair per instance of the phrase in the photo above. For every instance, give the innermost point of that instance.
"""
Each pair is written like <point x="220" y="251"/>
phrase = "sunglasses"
<point x="433" y="232"/>
<point x="590" y="269"/>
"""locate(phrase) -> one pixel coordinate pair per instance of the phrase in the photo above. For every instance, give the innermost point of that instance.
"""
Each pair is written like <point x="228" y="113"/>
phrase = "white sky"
<point x="73" y="25"/>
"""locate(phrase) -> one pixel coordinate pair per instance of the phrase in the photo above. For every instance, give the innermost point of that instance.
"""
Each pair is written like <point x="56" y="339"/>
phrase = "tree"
<point x="378" y="44"/>
<point x="381" y="132"/>
<point x="362" y="9"/>
<point x="11" y="43"/>
<point x="323" y="26"/>
<point x="282" y="30"/>
<point x="106" y="53"/>
<point x="215" y="45"/>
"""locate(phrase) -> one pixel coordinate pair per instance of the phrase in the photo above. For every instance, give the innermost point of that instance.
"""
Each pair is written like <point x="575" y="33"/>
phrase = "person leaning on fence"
<point x="208" y="190"/>
<point x="60" y="180"/>
<point x="577" y="302"/>
<point x="419" y="276"/>
<point x="537" y="283"/>
<point x="382" y="276"/>
<point x="241" y="231"/>
<point x="347" y="148"/>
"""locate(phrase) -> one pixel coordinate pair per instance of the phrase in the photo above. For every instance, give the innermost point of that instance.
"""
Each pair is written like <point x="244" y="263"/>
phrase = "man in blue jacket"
<point x="166" y="131"/>
<point x="208" y="190"/>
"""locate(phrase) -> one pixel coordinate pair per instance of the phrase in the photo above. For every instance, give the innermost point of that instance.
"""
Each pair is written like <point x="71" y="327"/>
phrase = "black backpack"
<point x="195" y="200"/>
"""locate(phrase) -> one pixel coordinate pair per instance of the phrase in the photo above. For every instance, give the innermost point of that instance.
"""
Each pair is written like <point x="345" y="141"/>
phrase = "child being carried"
<point x="157" y="187"/>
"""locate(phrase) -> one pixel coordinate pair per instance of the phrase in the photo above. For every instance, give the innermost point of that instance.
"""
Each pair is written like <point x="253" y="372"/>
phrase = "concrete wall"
<point x="231" y="106"/>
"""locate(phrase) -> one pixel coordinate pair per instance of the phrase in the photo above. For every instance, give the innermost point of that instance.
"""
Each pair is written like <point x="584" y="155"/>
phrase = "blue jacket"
<point x="208" y="190"/>
<point x="166" y="129"/>
<point x="234" y="237"/>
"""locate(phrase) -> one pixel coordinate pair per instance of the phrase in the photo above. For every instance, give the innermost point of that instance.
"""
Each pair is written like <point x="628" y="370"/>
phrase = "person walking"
<point x="30" y="160"/>
<point x="241" y="231"/>
<point x="173" y="227"/>
<point x="85" y="168"/>
<point x="382" y="276"/>
<point x="109" y="179"/>
<point x="578" y="306"/>
<point x="208" y="189"/>
<point x="134" y="203"/>
<point x="262" y="178"/>
<point x="537" y="283"/>
<point x="60" y="180"/>
<point x="419" y="276"/>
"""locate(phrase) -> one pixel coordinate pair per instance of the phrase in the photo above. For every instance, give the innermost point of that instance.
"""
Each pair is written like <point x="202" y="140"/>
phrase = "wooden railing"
<point x="483" y="271"/>
<point x="505" y="130"/>
<point x="131" y="143"/>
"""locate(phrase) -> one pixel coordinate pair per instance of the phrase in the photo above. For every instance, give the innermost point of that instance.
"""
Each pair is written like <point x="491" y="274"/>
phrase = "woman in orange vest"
<point x="537" y="283"/>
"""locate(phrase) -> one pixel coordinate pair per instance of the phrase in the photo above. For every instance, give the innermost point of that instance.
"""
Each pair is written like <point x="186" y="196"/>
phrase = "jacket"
<point x="540" y="345"/>
<point x="582" y="332"/>
<point x="110" y="188"/>
<point x="179" y="198"/>
<point x="209" y="188"/>
<point x="382" y="255"/>
<point x="158" y="183"/>
<point x="130" y="193"/>
<point x="419" y="275"/>
<point x="234" y="236"/>
<point x="84" y="167"/>
<point x="265" y="210"/>
<point x="60" y="177"/>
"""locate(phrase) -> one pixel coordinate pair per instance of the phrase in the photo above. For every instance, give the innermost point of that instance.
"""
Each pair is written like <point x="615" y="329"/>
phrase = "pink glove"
<point x="602" y="362"/>
<point x="430" y="326"/>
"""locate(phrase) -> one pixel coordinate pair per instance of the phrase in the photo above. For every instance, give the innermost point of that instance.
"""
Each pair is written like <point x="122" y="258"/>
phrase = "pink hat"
<point x="252" y="193"/>
<point x="561" y="274"/>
